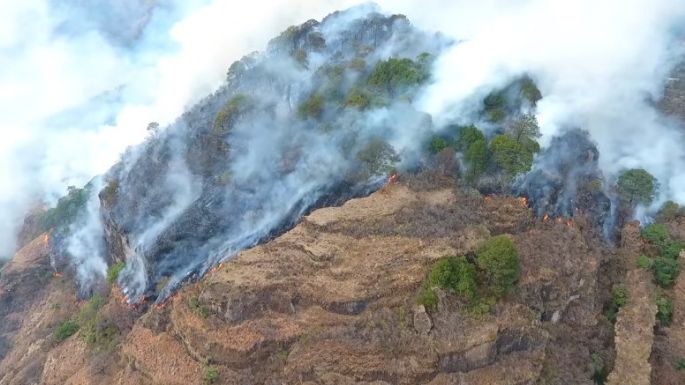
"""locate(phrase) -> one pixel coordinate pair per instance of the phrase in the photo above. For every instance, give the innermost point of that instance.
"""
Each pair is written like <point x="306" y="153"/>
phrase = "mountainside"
<point x="308" y="224"/>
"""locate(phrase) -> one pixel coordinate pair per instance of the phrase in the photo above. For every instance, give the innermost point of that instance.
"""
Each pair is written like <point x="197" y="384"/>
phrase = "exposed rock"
<point x="422" y="321"/>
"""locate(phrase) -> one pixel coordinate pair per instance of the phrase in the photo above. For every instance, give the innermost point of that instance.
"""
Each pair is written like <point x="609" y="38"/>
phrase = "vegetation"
<point x="499" y="261"/>
<point x="530" y="91"/>
<point x="227" y="115"/>
<point x="600" y="371"/>
<point x="668" y="212"/>
<point x="377" y="157"/>
<point x="680" y="363"/>
<point x="637" y="186"/>
<point x="358" y="99"/>
<point x="312" y="107"/>
<point x="95" y="329"/>
<point x="437" y="144"/>
<point x="645" y="262"/>
<point x="67" y="210"/>
<point x="495" y="106"/>
<point x="210" y="375"/>
<point x="664" y="310"/>
<point x="472" y="144"/>
<point x="665" y="265"/>
<point x="619" y="297"/>
<point x="456" y="275"/>
<point x="65" y="330"/>
<point x="511" y="156"/>
<point x="114" y="270"/>
<point x="394" y="75"/>
<point x="197" y="307"/>
<point x="665" y="271"/>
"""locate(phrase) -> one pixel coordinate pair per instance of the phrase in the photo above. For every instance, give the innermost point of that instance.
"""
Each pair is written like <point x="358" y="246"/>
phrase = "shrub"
<point x="668" y="212"/>
<point x="210" y="375"/>
<point x="637" y="186"/>
<point x="645" y="262"/>
<point x="456" y="275"/>
<point x="467" y="136"/>
<point x="427" y="297"/>
<point x="664" y="310"/>
<point x="680" y="363"/>
<point x="498" y="258"/>
<point x="312" y="107"/>
<point x="665" y="271"/>
<point x="96" y="330"/>
<point x="114" y="270"/>
<point x="65" y="330"/>
<point x="619" y="297"/>
<point x="197" y="307"/>
<point x="656" y="234"/>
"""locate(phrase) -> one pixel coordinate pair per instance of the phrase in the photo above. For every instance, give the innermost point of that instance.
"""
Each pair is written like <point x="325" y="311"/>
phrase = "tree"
<point x="637" y="186"/>
<point x="525" y="129"/>
<point x="377" y="157"/>
<point x="499" y="260"/>
<point x="510" y="155"/>
<point x="393" y="75"/>
<point x="476" y="158"/>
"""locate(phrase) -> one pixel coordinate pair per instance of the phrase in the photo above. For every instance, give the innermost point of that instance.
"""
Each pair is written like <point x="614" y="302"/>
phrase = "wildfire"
<point x="487" y="199"/>
<point x="559" y="220"/>
<point x="545" y="218"/>
<point x="523" y="201"/>
<point x="393" y="179"/>
<point x="569" y="222"/>
<point x="57" y="274"/>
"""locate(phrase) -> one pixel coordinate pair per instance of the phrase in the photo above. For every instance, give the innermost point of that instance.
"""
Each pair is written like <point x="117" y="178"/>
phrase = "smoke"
<point x="81" y="80"/>
<point x="86" y="78"/>
<point x="600" y="66"/>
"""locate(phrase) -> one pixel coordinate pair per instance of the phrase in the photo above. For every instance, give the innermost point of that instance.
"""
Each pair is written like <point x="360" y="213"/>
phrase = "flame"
<point x="545" y="218"/>
<point x="523" y="201"/>
<point x="559" y="220"/>
<point x="57" y="274"/>
<point x="392" y="179"/>
<point x="487" y="199"/>
<point x="569" y="222"/>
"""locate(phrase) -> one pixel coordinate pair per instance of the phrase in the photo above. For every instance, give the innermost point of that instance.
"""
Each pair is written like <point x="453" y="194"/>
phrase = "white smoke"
<point x="74" y="92"/>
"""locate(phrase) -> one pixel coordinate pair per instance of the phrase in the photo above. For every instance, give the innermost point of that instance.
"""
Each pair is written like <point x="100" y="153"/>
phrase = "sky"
<point x="81" y="79"/>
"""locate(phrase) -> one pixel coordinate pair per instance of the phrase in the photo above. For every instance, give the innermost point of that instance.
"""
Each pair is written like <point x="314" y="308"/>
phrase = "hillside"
<point x="308" y="223"/>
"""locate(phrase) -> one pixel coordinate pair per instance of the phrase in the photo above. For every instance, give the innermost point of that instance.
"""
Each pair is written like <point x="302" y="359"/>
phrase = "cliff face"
<point x="333" y="301"/>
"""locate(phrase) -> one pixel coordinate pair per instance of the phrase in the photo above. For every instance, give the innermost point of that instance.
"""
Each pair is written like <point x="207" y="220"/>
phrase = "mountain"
<point x="308" y="223"/>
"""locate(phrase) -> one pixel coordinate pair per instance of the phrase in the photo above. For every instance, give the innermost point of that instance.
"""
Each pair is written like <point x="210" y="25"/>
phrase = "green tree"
<point x="65" y="330"/>
<point x="313" y="107"/>
<point x="229" y="113"/>
<point x="393" y="75"/>
<point x="467" y="136"/>
<point x="526" y="130"/>
<point x="664" y="310"/>
<point x="510" y="155"/>
<point x="114" y="270"/>
<point x="499" y="260"/>
<point x="665" y="271"/>
<point x="637" y="186"/>
<point x="476" y="158"/>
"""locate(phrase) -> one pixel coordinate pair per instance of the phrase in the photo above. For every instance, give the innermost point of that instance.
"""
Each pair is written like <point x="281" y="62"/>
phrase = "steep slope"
<point x="333" y="301"/>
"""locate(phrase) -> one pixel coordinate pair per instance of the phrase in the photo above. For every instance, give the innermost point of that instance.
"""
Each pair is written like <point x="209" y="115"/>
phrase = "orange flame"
<point x="57" y="275"/>
<point x="569" y="222"/>
<point x="523" y="201"/>
<point x="392" y="179"/>
<point x="559" y="220"/>
<point x="487" y="199"/>
<point x="545" y="218"/>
